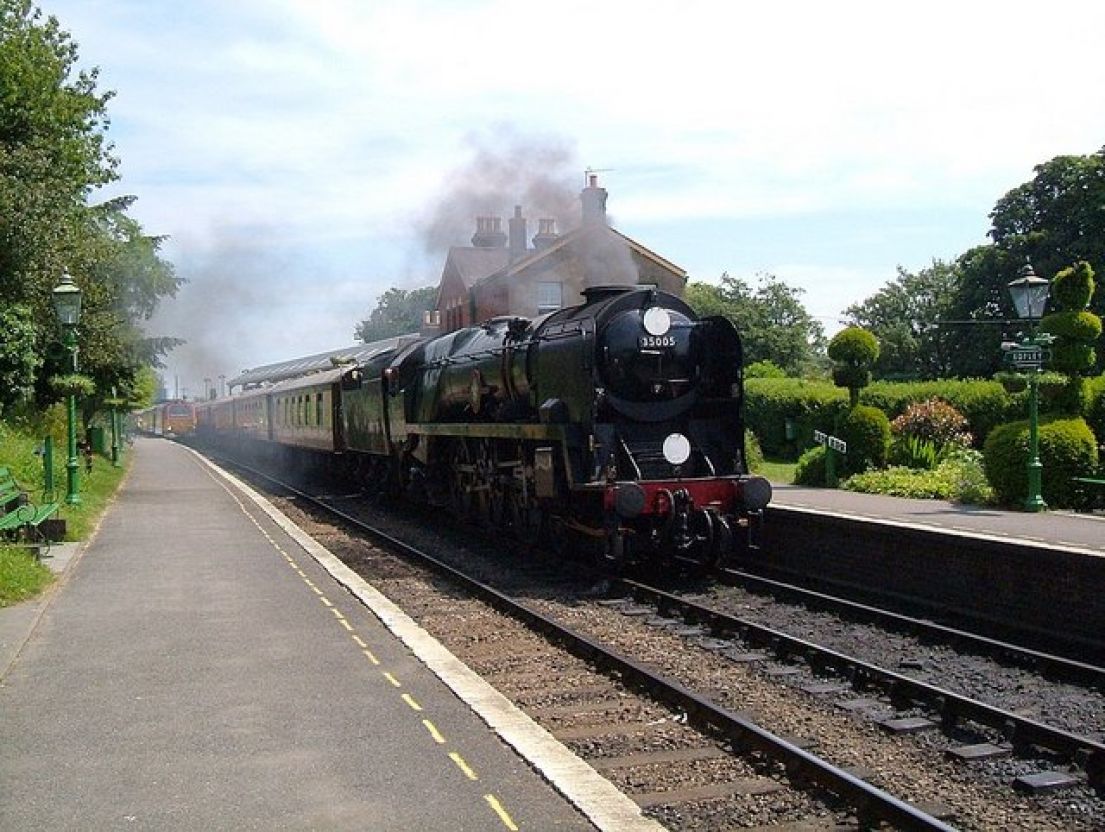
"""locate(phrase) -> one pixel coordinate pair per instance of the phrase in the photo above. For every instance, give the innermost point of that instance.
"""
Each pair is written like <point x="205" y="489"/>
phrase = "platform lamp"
<point x="67" y="306"/>
<point x="1029" y="293"/>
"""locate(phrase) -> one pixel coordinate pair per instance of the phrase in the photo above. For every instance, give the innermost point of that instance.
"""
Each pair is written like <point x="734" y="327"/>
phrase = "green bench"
<point x="20" y="519"/>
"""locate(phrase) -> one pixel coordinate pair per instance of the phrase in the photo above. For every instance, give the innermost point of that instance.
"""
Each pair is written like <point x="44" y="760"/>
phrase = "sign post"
<point x="833" y="445"/>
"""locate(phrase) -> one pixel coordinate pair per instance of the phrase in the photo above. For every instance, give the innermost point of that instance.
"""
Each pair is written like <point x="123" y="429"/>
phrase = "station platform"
<point x="199" y="666"/>
<point x="1076" y="531"/>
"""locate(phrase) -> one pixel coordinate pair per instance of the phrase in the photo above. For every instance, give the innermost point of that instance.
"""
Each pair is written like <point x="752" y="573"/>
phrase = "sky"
<point x="302" y="156"/>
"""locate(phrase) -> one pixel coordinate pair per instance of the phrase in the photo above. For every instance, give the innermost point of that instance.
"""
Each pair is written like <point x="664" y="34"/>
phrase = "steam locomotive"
<point x="618" y="420"/>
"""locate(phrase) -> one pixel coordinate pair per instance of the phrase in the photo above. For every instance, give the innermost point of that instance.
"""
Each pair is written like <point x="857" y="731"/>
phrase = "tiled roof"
<point x="474" y="264"/>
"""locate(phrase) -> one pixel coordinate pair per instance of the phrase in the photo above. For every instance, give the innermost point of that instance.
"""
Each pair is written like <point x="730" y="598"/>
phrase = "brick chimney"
<point x="594" y="202"/>
<point x="546" y="234"/>
<point x="489" y="233"/>
<point x="517" y="225"/>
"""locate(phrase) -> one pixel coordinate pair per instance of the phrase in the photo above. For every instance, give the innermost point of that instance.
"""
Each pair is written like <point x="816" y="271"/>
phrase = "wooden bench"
<point x="20" y="519"/>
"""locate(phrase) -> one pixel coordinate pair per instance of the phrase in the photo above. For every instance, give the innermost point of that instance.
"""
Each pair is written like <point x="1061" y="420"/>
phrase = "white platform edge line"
<point x="595" y="796"/>
<point x="931" y="527"/>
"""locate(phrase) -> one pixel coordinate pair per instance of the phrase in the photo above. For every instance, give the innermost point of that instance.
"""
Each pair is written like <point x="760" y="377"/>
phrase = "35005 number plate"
<point x="652" y="342"/>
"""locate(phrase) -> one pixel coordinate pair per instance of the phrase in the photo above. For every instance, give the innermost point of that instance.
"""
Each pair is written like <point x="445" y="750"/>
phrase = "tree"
<point x="905" y="316"/>
<point x="53" y="153"/>
<point x="773" y="324"/>
<point x="397" y="312"/>
<point x="1055" y="219"/>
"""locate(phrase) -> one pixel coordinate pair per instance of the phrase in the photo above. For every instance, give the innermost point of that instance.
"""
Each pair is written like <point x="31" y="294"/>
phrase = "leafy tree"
<point x="397" y="312"/>
<point x="53" y="154"/>
<point x="1055" y="219"/>
<point x="18" y="357"/>
<point x="905" y="316"/>
<point x="773" y="323"/>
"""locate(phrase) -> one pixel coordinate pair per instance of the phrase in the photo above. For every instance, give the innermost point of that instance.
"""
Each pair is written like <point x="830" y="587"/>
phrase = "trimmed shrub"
<point x="1067" y="450"/>
<point x="984" y="403"/>
<point x="753" y="456"/>
<point x="809" y="405"/>
<point x="1094" y="403"/>
<point x="867" y="432"/>
<point x="1072" y="287"/>
<point x="811" y="467"/>
<point x="764" y="369"/>
<point x="854" y="345"/>
<point x="855" y="351"/>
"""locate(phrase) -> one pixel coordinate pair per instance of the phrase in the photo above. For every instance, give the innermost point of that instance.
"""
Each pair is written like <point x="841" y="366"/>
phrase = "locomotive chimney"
<point x="489" y="233"/>
<point x="517" y="225"/>
<point x="546" y="234"/>
<point x="594" y="202"/>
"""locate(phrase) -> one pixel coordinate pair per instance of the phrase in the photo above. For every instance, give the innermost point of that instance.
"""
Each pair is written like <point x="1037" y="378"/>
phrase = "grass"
<point x="21" y="576"/>
<point x="778" y="471"/>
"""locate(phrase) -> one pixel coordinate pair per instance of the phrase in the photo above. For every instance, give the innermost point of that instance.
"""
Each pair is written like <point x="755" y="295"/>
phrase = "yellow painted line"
<point x="360" y="642"/>
<point x="463" y="766"/>
<point x="337" y="613"/>
<point x="316" y="590"/>
<point x="371" y="657"/>
<point x="498" y="809"/>
<point x="410" y="701"/>
<point x="325" y="600"/>
<point x="310" y="583"/>
<point x="346" y="624"/>
<point x="438" y="738"/>
<point x="392" y="679"/>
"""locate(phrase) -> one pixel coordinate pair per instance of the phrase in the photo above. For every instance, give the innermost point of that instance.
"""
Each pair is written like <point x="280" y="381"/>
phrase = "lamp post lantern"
<point x="1029" y="293"/>
<point x="67" y="306"/>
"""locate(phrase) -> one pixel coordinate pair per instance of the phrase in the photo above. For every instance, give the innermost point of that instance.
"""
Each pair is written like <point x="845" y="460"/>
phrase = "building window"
<point x="549" y="297"/>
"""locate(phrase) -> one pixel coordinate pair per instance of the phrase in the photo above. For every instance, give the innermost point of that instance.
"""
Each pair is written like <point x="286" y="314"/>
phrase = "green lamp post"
<point x="1029" y="293"/>
<point x="67" y="305"/>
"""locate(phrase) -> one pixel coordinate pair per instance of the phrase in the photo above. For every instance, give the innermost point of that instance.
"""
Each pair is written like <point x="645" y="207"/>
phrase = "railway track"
<point x="1050" y="663"/>
<point x="626" y="737"/>
<point x="948" y="709"/>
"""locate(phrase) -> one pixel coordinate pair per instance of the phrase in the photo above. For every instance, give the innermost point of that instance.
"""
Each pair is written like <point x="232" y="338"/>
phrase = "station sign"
<point x="1028" y="357"/>
<point x="832" y="441"/>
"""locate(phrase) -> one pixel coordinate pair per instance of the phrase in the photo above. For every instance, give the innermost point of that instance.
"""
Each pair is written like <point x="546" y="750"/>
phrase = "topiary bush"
<point x="811" y="467"/>
<point x="854" y="351"/>
<point x="1068" y="449"/>
<point x="867" y="432"/>
<point x="1094" y="404"/>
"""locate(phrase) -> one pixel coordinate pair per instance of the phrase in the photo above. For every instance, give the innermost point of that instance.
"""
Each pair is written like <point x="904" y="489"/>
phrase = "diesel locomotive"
<point x="619" y="421"/>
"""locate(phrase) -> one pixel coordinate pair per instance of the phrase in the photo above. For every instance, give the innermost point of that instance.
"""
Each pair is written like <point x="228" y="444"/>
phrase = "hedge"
<point x="819" y="405"/>
<point x="1067" y="450"/>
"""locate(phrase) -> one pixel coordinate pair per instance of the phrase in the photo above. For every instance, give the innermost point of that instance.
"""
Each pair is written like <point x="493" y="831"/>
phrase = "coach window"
<point x="549" y="297"/>
<point x="318" y="409"/>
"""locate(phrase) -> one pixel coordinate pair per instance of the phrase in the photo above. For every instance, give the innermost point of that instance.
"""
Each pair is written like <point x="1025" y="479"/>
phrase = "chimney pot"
<point x="546" y="233"/>
<point x="489" y="233"/>
<point x="517" y="226"/>
<point x="594" y="202"/>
